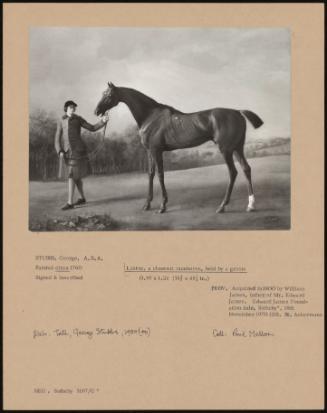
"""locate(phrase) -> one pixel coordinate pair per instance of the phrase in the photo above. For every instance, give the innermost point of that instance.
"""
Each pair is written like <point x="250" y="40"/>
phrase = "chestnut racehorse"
<point x="164" y="128"/>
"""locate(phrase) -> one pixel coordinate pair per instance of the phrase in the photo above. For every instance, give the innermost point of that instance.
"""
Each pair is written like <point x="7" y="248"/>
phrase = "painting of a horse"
<point x="164" y="128"/>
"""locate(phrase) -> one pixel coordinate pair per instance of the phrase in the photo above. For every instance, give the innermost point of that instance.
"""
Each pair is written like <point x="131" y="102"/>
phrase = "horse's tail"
<point x="253" y="118"/>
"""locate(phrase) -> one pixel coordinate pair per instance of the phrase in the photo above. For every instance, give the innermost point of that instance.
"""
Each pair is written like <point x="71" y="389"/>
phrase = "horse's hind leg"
<point x="151" y="173"/>
<point x="239" y="153"/>
<point x="232" y="176"/>
<point x="159" y="162"/>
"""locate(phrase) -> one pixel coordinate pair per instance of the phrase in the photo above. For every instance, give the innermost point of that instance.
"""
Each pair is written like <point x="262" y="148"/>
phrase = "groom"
<point x="72" y="150"/>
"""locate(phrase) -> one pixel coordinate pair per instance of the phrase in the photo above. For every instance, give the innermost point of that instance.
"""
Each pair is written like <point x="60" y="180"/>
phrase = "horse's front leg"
<point x="151" y="173"/>
<point x="159" y="162"/>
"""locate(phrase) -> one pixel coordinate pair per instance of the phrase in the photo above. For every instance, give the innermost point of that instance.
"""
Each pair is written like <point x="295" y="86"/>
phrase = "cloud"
<point x="189" y="68"/>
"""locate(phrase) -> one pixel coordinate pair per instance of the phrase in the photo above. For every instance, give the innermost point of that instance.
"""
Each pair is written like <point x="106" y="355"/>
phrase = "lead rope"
<point x="92" y="155"/>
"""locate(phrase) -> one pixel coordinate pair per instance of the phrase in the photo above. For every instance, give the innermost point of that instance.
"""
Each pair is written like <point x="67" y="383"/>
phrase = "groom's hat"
<point x="69" y="103"/>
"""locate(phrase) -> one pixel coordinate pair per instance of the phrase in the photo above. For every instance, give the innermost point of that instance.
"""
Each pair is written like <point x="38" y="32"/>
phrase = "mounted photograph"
<point x="159" y="129"/>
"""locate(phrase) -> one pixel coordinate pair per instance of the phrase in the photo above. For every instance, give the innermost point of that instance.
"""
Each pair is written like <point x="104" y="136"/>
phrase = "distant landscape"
<point x="208" y="153"/>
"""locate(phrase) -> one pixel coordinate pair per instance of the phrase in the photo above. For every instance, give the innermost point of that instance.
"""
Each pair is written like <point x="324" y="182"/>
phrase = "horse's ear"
<point x="110" y="84"/>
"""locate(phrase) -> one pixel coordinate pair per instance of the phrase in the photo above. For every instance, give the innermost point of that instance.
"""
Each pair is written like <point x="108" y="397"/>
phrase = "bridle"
<point x="92" y="155"/>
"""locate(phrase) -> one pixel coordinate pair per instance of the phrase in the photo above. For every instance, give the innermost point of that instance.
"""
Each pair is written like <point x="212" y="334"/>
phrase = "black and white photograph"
<point x="160" y="250"/>
<point x="159" y="129"/>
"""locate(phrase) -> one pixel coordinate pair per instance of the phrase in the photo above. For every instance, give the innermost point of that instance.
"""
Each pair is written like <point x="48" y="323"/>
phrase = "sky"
<point x="191" y="69"/>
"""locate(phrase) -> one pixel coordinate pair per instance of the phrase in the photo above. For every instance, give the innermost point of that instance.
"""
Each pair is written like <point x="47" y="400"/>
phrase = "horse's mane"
<point x="171" y="108"/>
<point x="147" y="100"/>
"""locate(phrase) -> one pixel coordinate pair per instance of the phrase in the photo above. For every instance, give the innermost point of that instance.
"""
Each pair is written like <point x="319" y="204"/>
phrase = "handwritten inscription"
<point x="242" y="333"/>
<point x="92" y="333"/>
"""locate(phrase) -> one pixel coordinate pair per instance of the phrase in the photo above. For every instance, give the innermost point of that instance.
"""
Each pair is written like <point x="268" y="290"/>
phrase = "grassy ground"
<point x="115" y="202"/>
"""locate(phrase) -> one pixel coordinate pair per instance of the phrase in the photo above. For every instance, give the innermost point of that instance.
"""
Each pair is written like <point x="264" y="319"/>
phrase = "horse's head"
<point x="109" y="99"/>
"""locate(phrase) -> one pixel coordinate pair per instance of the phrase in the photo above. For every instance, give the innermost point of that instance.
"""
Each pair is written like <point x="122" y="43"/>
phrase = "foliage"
<point x="124" y="152"/>
<point x="75" y="223"/>
<point x="43" y="161"/>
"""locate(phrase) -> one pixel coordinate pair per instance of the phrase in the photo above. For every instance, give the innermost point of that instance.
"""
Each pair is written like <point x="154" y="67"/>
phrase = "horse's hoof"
<point x="220" y="210"/>
<point x="146" y="207"/>
<point x="250" y="209"/>
<point x="161" y="210"/>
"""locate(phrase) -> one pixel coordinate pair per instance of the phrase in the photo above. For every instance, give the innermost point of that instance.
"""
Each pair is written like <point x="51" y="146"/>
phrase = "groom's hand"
<point x="105" y="118"/>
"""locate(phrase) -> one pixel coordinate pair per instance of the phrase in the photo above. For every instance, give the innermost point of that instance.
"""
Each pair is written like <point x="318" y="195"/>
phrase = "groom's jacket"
<point x="68" y="135"/>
